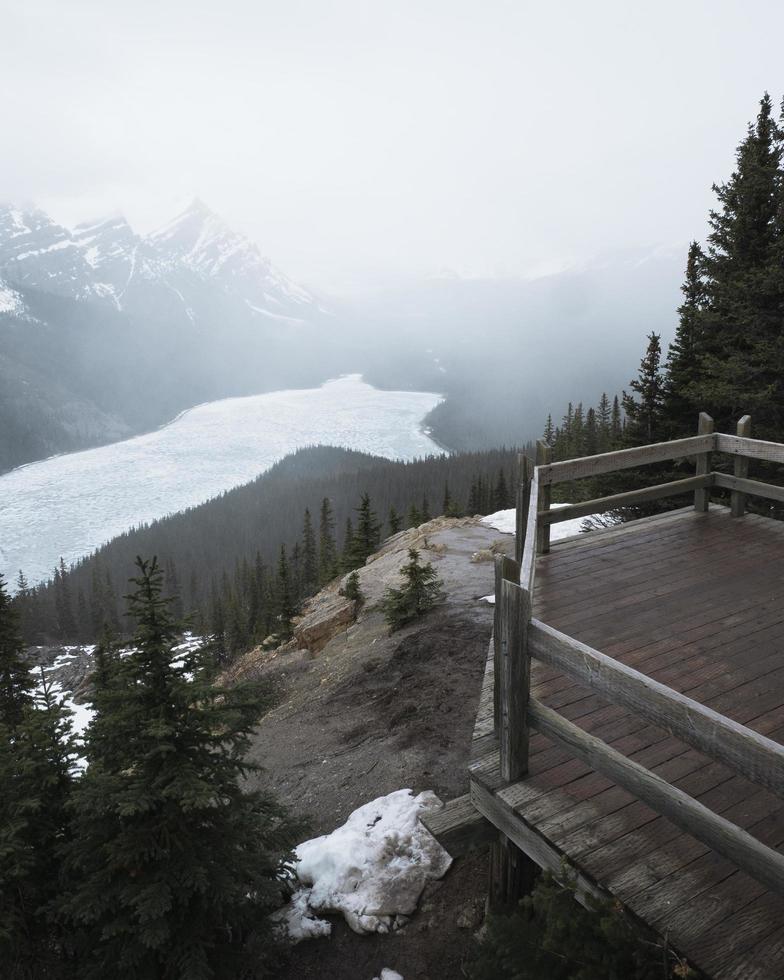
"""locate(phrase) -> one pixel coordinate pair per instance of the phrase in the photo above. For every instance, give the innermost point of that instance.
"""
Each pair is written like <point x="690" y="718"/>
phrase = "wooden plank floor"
<point x="697" y="602"/>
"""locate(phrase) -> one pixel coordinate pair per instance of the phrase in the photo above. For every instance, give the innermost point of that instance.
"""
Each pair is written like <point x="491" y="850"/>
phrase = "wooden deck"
<point x="695" y="601"/>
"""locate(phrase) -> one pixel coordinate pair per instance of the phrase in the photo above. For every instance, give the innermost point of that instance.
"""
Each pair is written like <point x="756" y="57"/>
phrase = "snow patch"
<point x="10" y="300"/>
<point x="505" y="521"/>
<point x="372" y="870"/>
<point x="387" y="974"/>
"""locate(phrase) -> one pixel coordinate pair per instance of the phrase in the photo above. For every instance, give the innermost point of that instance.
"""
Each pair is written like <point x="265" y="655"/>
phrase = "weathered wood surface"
<point x="754" y="488"/>
<point x="600" y="504"/>
<point x="528" y="561"/>
<point x="506" y="570"/>
<point x="624" y="459"/>
<point x="460" y="827"/>
<point x="703" y="466"/>
<point x="761" y="862"/>
<point x="749" y="753"/>
<point x="544" y="455"/>
<point x="737" y="498"/>
<point x="515" y="667"/>
<point x="526" y="468"/>
<point x="694" y="601"/>
<point x="773" y="452"/>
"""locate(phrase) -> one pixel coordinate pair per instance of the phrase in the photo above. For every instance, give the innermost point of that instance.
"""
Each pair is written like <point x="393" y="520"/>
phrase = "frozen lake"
<point x="69" y="505"/>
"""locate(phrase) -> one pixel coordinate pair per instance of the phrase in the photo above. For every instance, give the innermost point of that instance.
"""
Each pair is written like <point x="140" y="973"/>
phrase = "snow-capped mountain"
<point x="204" y="243"/>
<point x="179" y="271"/>
<point x="36" y="252"/>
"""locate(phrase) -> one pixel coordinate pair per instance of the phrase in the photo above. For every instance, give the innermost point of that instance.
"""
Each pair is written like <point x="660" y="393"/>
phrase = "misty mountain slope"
<point x="506" y="352"/>
<point x="104" y="333"/>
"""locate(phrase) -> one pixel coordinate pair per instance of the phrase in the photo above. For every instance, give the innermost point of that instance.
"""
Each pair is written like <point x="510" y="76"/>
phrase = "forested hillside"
<point x="240" y="561"/>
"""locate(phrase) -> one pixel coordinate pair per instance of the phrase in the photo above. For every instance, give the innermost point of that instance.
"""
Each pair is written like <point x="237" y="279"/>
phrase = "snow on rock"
<point x="372" y="869"/>
<point x="387" y="974"/>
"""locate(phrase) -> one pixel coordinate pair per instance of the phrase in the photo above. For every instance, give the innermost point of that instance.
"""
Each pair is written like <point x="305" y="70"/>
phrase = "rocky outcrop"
<point x="324" y="616"/>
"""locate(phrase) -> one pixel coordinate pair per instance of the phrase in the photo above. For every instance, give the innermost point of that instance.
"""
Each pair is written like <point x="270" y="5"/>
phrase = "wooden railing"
<point x="518" y="637"/>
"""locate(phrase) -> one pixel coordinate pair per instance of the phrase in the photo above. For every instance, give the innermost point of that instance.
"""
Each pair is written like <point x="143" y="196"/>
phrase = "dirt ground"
<point x="373" y="713"/>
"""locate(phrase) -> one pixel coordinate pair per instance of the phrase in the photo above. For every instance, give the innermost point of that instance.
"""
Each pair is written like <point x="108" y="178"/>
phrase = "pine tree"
<point x="16" y="685"/>
<point x="616" y="424"/>
<point x="414" y="516"/>
<point x="310" y="571"/>
<point x="394" y="520"/>
<point x="367" y="535"/>
<point x="420" y="591"/>
<point x="66" y="623"/>
<point x="284" y="598"/>
<point x="501" y="497"/>
<point x="684" y="371"/>
<point x="426" y="515"/>
<point x="328" y="556"/>
<point x="644" y="414"/>
<point x="591" y="440"/>
<point x="174" y="865"/>
<point x="36" y="773"/>
<point x="549" y="431"/>
<point x="741" y="360"/>
<point x="603" y="423"/>
<point x="447" y="504"/>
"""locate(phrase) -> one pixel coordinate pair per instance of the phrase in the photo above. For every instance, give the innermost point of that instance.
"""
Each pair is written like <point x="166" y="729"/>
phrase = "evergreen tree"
<point x="310" y="570"/>
<point x="426" y="515"/>
<point x="367" y="536"/>
<point x="684" y="372"/>
<point x="348" y="546"/>
<point x="420" y="591"/>
<point x="501" y="495"/>
<point x="645" y="414"/>
<point x="285" y="600"/>
<point x="66" y="623"/>
<point x="352" y="589"/>
<point x="616" y="424"/>
<point x="16" y="685"/>
<point x="394" y="520"/>
<point x="36" y="773"/>
<point x="549" y="431"/>
<point x="328" y="556"/>
<point x="741" y="336"/>
<point x="414" y="516"/>
<point x="447" y="504"/>
<point x="603" y="414"/>
<point x="591" y="439"/>
<point x="174" y="865"/>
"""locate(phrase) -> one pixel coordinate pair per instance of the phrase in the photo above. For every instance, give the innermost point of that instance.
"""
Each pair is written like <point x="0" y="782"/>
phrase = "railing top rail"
<point x="623" y="459"/>
<point x="773" y="452"/>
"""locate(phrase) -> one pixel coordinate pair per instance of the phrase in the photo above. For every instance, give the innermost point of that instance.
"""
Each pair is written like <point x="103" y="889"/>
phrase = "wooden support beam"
<point x="703" y="467"/>
<point x="754" y="756"/>
<point x="601" y="504"/>
<point x="531" y="842"/>
<point x="752" y="488"/>
<point x="515" y="680"/>
<point x="737" y="498"/>
<point x="732" y="842"/>
<point x="624" y="459"/>
<point x="459" y="827"/>
<point x="528" y="560"/>
<point x="506" y="570"/>
<point x="544" y="456"/>
<point x="523" y="498"/>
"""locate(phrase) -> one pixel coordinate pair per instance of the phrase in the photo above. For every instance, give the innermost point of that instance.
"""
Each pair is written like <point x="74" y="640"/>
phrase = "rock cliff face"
<point x="363" y="713"/>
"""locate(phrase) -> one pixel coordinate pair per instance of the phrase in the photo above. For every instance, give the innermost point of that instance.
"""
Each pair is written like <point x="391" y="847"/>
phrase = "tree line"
<point x="241" y="565"/>
<point x="727" y="356"/>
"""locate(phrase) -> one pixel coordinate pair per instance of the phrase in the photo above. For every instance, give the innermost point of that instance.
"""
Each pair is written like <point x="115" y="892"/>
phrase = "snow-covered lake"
<point x="69" y="505"/>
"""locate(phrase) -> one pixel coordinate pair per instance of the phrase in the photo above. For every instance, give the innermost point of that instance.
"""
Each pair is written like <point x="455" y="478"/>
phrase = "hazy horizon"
<point x="359" y="144"/>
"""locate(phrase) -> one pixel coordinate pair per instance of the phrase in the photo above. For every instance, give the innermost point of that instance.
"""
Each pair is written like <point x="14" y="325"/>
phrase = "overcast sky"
<point x="357" y="140"/>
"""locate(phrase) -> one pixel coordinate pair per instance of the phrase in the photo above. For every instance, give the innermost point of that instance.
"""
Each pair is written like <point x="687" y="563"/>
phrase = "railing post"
<point x="515" y="680"/>
<point x="523" y="497"/>
<point x="506" y="570"/>
<point x="737" y="498"/>
<point x="544" y="456"/>
<point x="702" y="497"/>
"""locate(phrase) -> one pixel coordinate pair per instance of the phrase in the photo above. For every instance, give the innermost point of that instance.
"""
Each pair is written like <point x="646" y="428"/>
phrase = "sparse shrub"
<point x="421" y="590"/>
<point x="551" y="936"/>
<point x="352" y="590"/>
